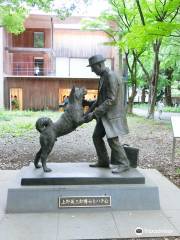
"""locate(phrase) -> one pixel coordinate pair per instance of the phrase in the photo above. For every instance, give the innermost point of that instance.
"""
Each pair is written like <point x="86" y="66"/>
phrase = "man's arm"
<point x="111" y="85"/>
<point x="89" y="115"/>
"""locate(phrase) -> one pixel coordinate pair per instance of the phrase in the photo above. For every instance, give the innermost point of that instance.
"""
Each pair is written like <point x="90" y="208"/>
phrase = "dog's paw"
<point x="38" y="166"/>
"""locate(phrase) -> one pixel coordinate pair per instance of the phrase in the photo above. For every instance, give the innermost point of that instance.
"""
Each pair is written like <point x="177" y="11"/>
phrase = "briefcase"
<point x="132" y="155"/>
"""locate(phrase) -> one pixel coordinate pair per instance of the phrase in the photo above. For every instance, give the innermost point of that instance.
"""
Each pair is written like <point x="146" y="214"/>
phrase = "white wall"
<point x="75" y="67"/>
<point x="1" y="70"/>
<point x="62" y="67"/>
<point x="78" y="68"/>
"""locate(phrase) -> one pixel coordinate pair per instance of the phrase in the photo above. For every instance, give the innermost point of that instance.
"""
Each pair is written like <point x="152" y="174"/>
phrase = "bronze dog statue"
<point x="68" y="122"/>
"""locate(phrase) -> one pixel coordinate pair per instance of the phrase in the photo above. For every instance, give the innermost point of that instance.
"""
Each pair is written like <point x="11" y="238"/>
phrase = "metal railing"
<point x="29" y="69"/>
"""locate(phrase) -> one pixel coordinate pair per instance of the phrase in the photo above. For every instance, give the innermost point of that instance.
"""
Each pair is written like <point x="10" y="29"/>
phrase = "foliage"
<point x="117" y="22"/>
<point x="12" y="17"/>
<point x="170" y="66"/>
<point x="146" y="35"/>
<point x="135" y="31"/>
<point x="170" y="55"/>
<point x="159" y="19"/>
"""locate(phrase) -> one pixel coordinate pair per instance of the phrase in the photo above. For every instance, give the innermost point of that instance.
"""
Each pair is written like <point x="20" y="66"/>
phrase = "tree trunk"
<point x="143" y="95"/>
<point x="168" y="98"/>
<point x="133" y="72"/>
<point x="154" y="80"/>
<point x="131" y="100"/>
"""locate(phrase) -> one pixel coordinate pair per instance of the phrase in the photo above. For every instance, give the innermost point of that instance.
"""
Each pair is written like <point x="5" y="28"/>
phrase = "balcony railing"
<point x="71" y="69"/>
<point x="29" y="69"/>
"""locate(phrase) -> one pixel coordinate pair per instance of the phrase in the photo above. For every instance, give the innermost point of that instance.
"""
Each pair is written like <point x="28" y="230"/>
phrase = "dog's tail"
<point x="42" y="123"/>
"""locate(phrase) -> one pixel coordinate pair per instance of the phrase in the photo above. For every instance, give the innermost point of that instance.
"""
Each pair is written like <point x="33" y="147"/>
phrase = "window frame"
<point x="34" y="40"/>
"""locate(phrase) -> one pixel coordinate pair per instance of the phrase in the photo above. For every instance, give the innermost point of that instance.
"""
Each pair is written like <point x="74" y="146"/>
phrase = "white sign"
<point x="175" y="120"/>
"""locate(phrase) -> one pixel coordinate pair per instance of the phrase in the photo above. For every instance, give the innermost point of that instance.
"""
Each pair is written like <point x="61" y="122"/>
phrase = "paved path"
<point x="165" y="115"/>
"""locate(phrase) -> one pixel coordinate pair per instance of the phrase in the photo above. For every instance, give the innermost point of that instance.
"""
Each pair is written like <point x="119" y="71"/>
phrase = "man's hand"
<point x="89" y="117"/>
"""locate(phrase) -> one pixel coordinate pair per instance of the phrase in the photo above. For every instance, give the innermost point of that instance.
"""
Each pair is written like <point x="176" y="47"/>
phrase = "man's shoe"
<point x="120" y="169"/>
<point x="98" y="165"/>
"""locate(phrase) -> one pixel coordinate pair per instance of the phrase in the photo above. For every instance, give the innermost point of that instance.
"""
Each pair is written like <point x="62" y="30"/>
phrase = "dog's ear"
<point x="71" y="96"/>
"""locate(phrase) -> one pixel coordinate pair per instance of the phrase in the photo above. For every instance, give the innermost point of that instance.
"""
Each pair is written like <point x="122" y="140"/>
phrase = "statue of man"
<point x="109" y="112"/>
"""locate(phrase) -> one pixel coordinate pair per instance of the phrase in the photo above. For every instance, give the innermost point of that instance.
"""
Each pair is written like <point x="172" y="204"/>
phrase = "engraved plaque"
<point x="84" y="201"/>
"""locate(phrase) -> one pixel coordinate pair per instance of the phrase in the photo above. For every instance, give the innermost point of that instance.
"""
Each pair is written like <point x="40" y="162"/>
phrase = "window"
<point x="38" y="66"/>
<point x="38" y="39"/>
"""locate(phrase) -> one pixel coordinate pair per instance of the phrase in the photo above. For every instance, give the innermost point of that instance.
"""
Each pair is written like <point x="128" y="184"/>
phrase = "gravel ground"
<point x="154" y="139"/>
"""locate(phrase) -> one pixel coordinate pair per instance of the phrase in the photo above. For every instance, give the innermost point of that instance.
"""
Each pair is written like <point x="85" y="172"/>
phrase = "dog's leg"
<point x="44" y="155"/>
<point x="37" y="158"/>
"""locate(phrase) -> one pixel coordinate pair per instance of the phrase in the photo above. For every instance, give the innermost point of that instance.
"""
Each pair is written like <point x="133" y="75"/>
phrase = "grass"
<point x="133" y="119"/>
<point x="178" y="170"/>
<point x="172" y="109"/>
<point x="19" y="123"/>
<point x="141" y="105"/>
<point x="5" y="114"/>
<point x="16" y="129"/>
<point x="166" y="108"/>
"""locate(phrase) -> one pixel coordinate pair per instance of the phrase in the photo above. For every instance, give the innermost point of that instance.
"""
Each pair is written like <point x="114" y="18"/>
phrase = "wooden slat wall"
<point x="43" y="93"/>
<point x="80" y="44"/>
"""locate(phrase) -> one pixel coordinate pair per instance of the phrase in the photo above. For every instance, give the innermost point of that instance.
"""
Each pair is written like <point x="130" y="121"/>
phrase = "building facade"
<point x="48" y="58"/>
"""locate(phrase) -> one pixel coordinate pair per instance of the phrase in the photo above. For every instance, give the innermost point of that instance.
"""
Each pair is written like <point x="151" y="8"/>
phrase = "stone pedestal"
<point x="77" y="174"/>
<point x="40" y="192"/>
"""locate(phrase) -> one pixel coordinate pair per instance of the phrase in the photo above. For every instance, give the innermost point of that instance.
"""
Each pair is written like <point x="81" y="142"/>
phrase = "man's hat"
<point x="95" y="59"/>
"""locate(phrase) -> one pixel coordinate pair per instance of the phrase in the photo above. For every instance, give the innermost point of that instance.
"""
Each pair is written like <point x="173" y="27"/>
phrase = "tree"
<point x="158" y="21"/>
<point x="116" y="22"/>
<point x="141" y="27"/>
<point x="132" y="68"/>
<point x="170" y="67"/>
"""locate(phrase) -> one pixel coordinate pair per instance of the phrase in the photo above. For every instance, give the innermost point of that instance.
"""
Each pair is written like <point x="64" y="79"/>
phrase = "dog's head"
<point x="77" y="94"/>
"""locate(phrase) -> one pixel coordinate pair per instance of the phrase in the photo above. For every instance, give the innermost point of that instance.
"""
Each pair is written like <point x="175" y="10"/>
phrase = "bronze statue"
<point x="68" y="122"/>
<point x="110" y="114"/>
